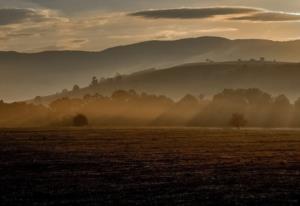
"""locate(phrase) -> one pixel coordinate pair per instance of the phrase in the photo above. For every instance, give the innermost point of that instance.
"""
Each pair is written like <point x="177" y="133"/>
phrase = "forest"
<point x="229" y="108"/>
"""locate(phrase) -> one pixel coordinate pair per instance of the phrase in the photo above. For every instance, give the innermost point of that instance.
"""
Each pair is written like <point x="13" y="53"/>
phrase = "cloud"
<point x="269" y="16"/>
<point x="173" y="34"/>
<point x="13" y="16"/>
<point x="75" y="6"/>
<point x="198" y="13"/>
<point x="43" y="28"/>
<point x="39" y="29"/>
<point x="10" y="16"/>
<point x="229" y="13"/>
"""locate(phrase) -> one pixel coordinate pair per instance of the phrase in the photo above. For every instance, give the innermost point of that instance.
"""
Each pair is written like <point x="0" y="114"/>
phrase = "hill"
<point x="26" y="75"/>
<point x="201" y="78"/>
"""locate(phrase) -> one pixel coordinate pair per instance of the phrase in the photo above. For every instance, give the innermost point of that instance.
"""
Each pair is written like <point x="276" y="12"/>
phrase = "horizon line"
<point x="140" y="42"/>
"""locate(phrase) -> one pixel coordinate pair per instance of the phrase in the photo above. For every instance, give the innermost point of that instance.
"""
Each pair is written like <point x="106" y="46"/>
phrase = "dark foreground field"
<point x="149" y="166"/>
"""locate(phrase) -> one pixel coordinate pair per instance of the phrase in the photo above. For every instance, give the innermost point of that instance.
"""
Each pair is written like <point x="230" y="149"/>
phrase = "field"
<point x="149" y="167"/>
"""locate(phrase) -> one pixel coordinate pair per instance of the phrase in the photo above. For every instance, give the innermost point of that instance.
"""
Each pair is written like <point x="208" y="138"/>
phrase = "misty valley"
<point x="229" y="108"/>
<point x="149" y="102"/>
<point x="181" y="135"/>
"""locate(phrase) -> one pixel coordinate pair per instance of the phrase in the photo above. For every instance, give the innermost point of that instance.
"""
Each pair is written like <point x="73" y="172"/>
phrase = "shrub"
<point x="80" y="121"/>
<point x="237" y="120"/>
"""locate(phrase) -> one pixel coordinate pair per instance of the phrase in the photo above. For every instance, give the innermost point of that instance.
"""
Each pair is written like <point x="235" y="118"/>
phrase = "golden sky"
<point x="37" y="25"/>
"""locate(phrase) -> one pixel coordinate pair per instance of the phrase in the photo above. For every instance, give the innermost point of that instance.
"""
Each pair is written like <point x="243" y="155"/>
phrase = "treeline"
<point x="231" y="107"/>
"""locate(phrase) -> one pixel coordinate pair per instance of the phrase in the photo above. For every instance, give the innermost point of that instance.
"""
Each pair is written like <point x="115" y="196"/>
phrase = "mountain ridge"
<point x="25" y="75"/>
<point x="205" y="78"/>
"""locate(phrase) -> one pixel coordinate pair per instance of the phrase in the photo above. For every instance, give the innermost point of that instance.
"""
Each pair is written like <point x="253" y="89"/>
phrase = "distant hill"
<point x="202" y="78"/>
<point x="24" y="75"/>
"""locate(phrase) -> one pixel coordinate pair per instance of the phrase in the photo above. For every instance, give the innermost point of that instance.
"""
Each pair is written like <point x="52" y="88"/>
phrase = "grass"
<point x="178" y="166"/>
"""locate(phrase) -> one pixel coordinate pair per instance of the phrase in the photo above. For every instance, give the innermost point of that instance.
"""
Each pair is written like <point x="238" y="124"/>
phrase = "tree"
<point x="80" y="121"/>
<point x="94" y="82"/>
<point x="120" y="95"/>
<point x="280" y="112"/>
<point x="76" y="88"/>
<point x="282" y="102"/>
<point x="189" y="101"/>
<point x="237" y="120"/>
<point x="38" y="100"/>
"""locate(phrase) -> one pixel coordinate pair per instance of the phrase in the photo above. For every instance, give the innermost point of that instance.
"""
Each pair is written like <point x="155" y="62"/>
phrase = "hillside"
<point x="202" y="78"/>
<point x="27" y="75"/>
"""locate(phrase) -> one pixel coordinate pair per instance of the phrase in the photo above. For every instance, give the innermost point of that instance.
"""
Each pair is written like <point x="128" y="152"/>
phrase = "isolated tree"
<point x="80" y="121"/>
<point x="94" y="82"/>
<point x="76" y="88"/>
<point x="237" y="120"/>
<point x="38" y="100"/>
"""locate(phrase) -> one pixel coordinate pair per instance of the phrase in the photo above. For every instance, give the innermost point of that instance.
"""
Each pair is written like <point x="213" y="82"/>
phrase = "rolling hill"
<point x="202" y="78"/>
<point x="25" y="75"/>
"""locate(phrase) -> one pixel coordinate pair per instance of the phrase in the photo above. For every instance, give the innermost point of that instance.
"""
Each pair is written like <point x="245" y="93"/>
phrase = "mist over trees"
<point x="62" y="68"/>
<point x="229" y="108"/>
<point x="197" y="78"/>
<point x="237" y="120"/>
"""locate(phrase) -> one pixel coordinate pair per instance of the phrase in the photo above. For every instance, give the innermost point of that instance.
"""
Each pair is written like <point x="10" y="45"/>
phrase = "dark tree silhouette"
<point x="76" y="88"/>
<point x="94" y="82"/>
<point x="237" y="120"/>
<point x="80" y="120"/>
<point x="228" y="108"/>
<point x="38" y="100"/>
<point x="120" y="95"/>
<point x="188" y="100"/>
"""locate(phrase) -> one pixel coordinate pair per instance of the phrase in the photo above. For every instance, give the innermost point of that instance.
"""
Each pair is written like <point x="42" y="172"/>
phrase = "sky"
<point x="93" y="25"/>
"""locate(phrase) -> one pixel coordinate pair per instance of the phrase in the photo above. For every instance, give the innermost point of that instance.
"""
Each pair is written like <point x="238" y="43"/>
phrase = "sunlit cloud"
<point x="193" y="13"/>
<point x="174" y="34"/>
<point x="270" y="16"/>
<point x="49" y="28"/>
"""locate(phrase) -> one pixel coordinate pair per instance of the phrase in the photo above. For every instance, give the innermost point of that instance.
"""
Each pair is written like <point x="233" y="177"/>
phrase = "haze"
<point x="32" y="26"/>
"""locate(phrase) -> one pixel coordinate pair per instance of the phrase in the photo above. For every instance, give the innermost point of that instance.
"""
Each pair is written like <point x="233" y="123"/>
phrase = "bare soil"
<point x="176" y="166"/>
